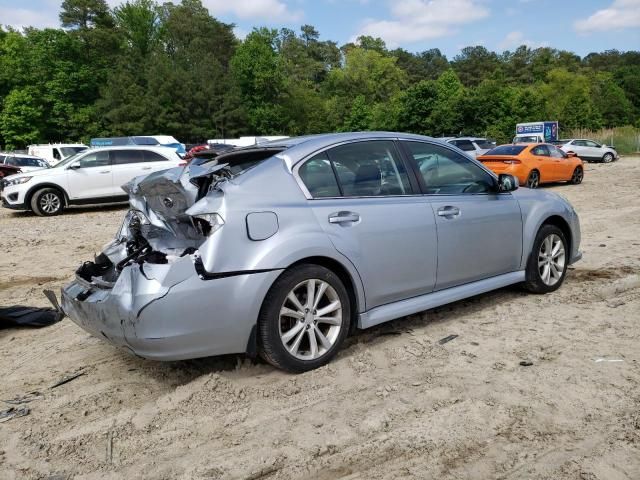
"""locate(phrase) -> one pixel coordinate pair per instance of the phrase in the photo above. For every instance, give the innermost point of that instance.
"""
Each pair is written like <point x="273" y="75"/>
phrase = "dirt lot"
<point x="394" y="404"/>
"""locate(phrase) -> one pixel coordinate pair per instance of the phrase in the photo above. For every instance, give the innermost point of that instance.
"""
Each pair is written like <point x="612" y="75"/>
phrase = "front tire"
<point x="578" y="175"/>
<point x="533" y="180"/>
<point x="548" y="261"/>
<point x="304" y="319"/>
<point x="607" y="157"/>
<point x="47" y="202"/>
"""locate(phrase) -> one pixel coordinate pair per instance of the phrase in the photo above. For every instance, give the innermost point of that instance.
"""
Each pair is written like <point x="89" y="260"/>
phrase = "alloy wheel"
<point x="551" y="259"/>
<point x="50" y="203"/>
<point x="578" y="175"/>
<point x="310" y="319"/>
<point x="608" y="157"/>
<point x="534" y="180"/>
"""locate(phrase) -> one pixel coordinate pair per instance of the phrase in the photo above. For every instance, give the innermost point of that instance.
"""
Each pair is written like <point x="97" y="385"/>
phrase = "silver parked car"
<point x="282" y="249"/>
<point x="473" y="146"/>
<point x="588" y="150"/>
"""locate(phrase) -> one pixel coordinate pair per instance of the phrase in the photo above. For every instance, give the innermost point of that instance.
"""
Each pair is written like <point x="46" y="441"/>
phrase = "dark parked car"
<point x="6" y="170"/>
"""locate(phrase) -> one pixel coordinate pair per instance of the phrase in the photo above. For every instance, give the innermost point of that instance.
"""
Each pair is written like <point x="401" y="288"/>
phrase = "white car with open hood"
<point x="92" y="176"/>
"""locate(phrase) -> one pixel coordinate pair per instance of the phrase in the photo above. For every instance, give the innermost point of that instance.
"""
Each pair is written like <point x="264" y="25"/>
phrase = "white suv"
<point x="588" y="150"/>
<point x="90" y="177"/>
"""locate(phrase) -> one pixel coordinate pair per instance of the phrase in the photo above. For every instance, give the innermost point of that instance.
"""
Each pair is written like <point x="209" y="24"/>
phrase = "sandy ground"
<point x="394" y="404"/>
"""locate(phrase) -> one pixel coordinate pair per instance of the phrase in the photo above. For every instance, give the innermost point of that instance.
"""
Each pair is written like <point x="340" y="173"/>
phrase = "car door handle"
<point x="146" y="168"/>
<point x="105" y="171"/>
<point x="344" y="217"/>
<point x="448" y="211"/>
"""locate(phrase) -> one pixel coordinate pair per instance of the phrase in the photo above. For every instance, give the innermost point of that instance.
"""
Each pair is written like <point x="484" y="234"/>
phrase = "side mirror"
<point x="507" y="183"/>
<point x="74" y="166"/>
<point x="571" y="154"/>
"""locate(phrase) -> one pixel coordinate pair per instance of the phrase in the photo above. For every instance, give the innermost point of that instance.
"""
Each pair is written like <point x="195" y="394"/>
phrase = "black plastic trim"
<point x="100" y="200"/>
<point x="200" y="270"/>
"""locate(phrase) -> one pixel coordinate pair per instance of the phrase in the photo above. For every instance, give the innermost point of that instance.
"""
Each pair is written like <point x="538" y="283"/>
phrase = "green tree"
<point x="258" y="71"/>
<point x="568" y="99"/>
<point x="22" y="118"/>
<point x="610" y="100"/>
<point x="84" y="14"/>
<point x="139" y="23"/>
<point x="474" y="64"/>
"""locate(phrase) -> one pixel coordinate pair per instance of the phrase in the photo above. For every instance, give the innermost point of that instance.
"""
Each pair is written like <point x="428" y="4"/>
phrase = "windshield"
<point x="26" y="162"/>
<point x="529" y="139"/>
<point x="68" y="151"/>
<point x="484" y="144"/>
<point x="68" y="160"/>
<point x="506" y="150"/>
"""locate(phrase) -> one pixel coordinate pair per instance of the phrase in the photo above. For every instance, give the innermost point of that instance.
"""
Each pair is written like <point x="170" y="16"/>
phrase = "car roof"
<point x="22" y="155"/>
<point x="467" y="138"/>
<point x="159" y="148"/>
<point x="297" y="148"/>
<point x="58" y="145"/>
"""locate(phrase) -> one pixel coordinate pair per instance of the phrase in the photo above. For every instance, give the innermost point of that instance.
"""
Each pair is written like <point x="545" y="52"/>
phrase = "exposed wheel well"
<point x="562" y="224"/>
<point x="344" y="275"/>
<point x="37" y="188"/>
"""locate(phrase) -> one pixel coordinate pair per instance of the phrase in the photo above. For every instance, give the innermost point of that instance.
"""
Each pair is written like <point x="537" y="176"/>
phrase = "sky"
<point x="581" y="26"/>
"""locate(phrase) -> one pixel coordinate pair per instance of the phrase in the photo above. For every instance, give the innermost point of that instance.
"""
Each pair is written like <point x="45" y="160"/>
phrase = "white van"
<point x="54" y="153"/>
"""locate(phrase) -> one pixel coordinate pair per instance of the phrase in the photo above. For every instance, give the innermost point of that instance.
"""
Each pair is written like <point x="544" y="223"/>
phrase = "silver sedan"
<point x="281" y="250"/>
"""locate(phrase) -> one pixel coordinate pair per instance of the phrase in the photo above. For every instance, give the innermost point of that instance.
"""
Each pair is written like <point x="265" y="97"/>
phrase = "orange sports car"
<point x="534" y="163"/>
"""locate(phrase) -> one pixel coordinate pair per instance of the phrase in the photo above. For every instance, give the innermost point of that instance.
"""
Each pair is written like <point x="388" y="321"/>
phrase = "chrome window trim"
<point x="308" y="195"/>
<point x="303" y="160"/>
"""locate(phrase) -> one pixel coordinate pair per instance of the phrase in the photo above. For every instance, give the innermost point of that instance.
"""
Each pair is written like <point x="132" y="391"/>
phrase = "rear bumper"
<point x="168" y="312"/>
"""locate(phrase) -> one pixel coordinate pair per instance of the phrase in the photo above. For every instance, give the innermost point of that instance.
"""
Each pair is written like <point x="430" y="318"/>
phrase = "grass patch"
<point x="626" y="140"/>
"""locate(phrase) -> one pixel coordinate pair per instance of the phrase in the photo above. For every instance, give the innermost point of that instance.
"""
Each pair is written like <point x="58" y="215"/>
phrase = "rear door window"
<point x="150" y="156"/>
<point x="317" y="175"/>
<point x="371" y="168"/>
<point x="465" y="145"/>
<point x="125" y="157"/>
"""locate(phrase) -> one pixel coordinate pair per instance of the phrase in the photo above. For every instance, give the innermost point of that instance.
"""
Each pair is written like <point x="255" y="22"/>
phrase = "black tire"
<point x="271" y="345"/>
<point x="47" y="202"/>
<point x="533" y="180"/>
<point x="533" y="281"/>
<point x="607" y="157"/>
<point x="578" y="175"/>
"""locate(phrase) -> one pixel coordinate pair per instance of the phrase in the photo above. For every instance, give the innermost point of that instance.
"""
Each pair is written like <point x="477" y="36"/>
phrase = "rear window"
<point x="241" y="160"/>
<point x="485" y="144"/>
<point x="68" y="151"/>
<point x="507" y="150"/>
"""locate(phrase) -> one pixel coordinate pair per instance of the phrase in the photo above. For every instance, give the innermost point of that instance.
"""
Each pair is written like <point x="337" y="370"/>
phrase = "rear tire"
<point x="304" y="319"/>
<point x="548" y="261"/>
<point x="578" y="175"/>
<point x="533" y="180"/>
<point x="607" y="157"/>
<point x="47" y="202"/>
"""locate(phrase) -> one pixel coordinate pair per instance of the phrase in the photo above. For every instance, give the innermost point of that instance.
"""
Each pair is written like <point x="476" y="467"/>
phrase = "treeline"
<point x="146" y="68"/>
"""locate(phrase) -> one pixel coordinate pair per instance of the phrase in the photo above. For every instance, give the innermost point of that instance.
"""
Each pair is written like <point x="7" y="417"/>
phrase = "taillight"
<point x="512" y="162"/>
<point x="183" y="164"/>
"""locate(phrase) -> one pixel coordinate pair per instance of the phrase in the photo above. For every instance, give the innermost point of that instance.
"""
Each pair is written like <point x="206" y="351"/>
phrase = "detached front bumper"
<point x="168" y="312"/>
